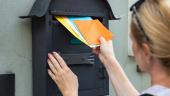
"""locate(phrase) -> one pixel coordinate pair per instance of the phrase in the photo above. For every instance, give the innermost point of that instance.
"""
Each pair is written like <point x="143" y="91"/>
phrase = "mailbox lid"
<point x="96" y="8"/>
<point x="39" y="9"/>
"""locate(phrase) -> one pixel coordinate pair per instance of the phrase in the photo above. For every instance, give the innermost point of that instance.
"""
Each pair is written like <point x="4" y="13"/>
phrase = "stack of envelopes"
<point x="85" y="29"/>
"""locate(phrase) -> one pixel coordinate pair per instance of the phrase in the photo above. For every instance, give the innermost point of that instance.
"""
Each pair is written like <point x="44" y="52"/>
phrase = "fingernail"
<point x="54" y="52"/>
<point x="49" y="54"/>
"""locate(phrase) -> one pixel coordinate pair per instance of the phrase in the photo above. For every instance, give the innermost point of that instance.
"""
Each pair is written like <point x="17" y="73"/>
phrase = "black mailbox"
<point x="49" y="35"/>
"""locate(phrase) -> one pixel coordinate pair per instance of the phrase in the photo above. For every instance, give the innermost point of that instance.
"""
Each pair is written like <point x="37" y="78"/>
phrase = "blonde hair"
<point x="154" y="16"/>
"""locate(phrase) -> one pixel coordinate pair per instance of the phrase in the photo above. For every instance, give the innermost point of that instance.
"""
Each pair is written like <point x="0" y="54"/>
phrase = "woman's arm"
<point x="121" y="84"/>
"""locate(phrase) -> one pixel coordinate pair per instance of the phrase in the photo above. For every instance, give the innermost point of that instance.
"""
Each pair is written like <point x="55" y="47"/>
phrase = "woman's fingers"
<point x="60" y="60"/>
<point x="51" y="74"/>
<point x="54" y="62"/>
<point x="96" y="50"/>
<point x="53" y="69"/>
<point x="102" y="40"/>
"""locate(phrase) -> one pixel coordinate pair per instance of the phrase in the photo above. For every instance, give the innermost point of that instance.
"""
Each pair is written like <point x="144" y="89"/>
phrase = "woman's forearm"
<point x="121" y="84"/>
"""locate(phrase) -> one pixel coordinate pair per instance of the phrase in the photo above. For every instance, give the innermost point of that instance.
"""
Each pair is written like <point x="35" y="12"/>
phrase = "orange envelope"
<point x="92" y="30"/>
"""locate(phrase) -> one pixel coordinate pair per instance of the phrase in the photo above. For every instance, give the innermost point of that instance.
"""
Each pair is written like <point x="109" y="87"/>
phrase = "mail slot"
<point x="49" y="35"/>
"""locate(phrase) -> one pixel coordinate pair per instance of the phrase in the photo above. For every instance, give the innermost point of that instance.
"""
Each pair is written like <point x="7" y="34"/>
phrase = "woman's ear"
<point x="147" y="53"/>
<point x="146" y="49"/>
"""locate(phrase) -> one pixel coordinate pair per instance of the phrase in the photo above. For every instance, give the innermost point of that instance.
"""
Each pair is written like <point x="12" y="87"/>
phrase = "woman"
<point x="150" y="33"/>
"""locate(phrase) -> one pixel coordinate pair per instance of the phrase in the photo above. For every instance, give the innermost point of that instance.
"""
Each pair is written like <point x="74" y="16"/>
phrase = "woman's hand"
<point x="65" y="79"/>
<point x="105" y="50"/>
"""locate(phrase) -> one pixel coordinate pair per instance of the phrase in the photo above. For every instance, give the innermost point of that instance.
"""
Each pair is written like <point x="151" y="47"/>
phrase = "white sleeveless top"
<point x="157" y="90"/>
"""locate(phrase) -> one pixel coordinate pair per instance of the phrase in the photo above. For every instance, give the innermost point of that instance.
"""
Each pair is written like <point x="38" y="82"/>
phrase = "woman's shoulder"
<point x="156" y="90"/>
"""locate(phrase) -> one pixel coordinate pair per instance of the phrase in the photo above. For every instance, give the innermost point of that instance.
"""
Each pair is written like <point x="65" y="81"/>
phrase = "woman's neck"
<point x="159" y="76"/>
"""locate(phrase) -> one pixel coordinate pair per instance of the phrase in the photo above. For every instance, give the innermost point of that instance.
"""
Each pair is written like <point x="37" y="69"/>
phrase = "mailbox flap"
<point x="79" y="59"/>
<point x="96" y="8"/>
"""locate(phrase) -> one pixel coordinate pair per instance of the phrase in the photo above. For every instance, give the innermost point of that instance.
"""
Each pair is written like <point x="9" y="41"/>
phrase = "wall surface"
<point x="15" y="44"/>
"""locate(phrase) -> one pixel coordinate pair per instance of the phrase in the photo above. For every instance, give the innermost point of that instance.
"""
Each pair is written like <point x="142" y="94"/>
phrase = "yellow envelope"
<point x="64" y="22"/>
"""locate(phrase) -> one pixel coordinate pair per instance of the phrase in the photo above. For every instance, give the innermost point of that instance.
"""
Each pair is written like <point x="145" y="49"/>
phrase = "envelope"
<point x="92" y="30"/>
<point x="65" y="23"/>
